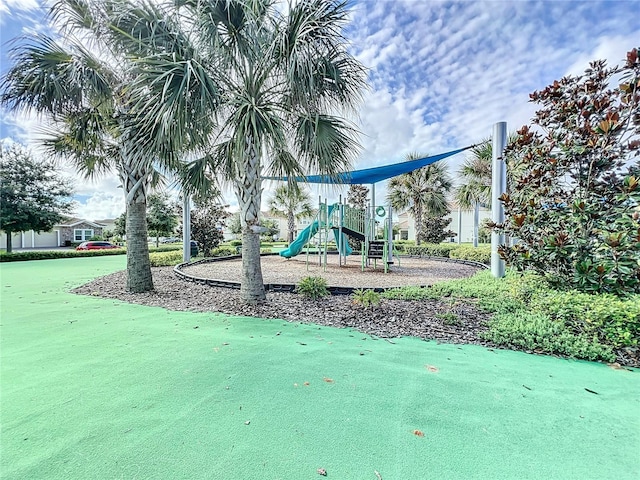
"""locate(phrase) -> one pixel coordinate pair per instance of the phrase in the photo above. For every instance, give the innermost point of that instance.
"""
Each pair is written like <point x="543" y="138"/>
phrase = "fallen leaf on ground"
<point x="322" y="471"/>
<point x="328" y="380"/>
<point x="431" y="368"/>
<point x="306" y="384"/>
<point x="418" y="433"/>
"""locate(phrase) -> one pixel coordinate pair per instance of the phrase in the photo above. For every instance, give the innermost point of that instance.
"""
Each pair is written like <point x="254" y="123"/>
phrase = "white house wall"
<point x="31" y="239"/>
<point x="462" y="226"/>
<point x="465" y="233"/>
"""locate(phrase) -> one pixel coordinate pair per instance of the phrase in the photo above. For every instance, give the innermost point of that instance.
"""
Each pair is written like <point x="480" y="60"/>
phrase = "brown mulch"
<point x="446" y="321"/>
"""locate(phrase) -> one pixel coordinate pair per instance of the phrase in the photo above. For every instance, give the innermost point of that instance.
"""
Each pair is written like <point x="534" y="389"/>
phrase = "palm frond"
<point x="326" y="143"/>
<point x="47" y="77"/>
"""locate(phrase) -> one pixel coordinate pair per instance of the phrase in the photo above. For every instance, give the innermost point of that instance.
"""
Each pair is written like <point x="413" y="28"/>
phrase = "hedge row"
<point x="170" y="258"/>
<point x="52" y="254"/>
<point x="480" y="254"/>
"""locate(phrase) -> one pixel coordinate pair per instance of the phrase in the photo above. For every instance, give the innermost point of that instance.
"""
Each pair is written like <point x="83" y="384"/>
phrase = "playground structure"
<point x="378" y="174"/>
<point x="342" y="221"/>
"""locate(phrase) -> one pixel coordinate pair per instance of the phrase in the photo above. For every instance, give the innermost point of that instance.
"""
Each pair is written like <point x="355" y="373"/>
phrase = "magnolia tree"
<point x="574" y="206"/>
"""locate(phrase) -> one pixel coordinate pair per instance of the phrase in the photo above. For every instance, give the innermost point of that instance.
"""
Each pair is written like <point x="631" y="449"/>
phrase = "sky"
<point x="441" y="74"/>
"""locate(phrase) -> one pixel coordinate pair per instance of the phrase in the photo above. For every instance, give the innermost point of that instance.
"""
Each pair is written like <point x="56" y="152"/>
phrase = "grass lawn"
<point x="98" y="389"/>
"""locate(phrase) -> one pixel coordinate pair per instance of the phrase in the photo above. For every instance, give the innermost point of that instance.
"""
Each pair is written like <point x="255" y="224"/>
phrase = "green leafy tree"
<point x="87" y="98"/>
<point x="270" y="228"/>
<point x="574" y="204"/>
<point x="357" y="197"/>
<point x="293" y="203"/>
<point x="435" y="229"/>
<point x="265" y="91"/>
<point x="120" y="225"/>
<point x="33" y="196"/>
<point x="423" y="192"/>
<point x="208" y="221"/>
<point x="161" y="218"/>
<point x="235" y="225"/>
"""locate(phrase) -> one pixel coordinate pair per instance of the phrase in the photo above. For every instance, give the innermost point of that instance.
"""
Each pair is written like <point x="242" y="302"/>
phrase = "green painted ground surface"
<point x="97" y="389"/>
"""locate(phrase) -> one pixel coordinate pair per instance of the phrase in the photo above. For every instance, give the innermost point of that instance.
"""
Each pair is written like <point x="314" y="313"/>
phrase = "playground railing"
<point x="354" y="219"/>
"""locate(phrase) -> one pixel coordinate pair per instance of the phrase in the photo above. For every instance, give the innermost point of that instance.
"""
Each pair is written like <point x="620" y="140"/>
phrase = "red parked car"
<point x="96" y="246"/>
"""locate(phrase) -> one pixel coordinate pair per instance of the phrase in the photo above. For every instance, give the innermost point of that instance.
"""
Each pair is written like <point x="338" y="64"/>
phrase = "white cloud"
<point x="101" y="205"/>
<point x="442" y="73"/>
<point x="13" y="6"/>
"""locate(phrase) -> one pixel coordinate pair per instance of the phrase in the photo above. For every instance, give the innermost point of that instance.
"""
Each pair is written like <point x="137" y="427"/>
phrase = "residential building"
<point x="461" y="223"/>
<point x="70" y="230"/>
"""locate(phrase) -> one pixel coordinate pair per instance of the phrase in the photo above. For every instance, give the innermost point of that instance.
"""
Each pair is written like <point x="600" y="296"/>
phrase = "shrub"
<point x="537" y="332"/>
<point x="431" y="249"/>
<point x="165" y="259"/>
<point x="449" y="318"/>
<point x="313" y="288"/>
<point x="367" y="298"/>
<point x="223" y="252"/>
<point x="481" y="254"/>
<point x="166" y="248"/>
<point x="235" y="243"/>
<point x="409" y="293"/>
<point x="613" y="320"/>
<point x="53" y="254"/>
<point x="265" y="250"/>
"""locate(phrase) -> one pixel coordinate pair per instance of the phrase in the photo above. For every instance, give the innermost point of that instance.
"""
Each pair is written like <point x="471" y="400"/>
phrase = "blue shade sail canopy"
<point x="375" y="174"/>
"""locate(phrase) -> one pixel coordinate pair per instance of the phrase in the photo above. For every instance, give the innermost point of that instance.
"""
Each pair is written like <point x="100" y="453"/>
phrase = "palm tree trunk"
<point x="418" y="219"/>
<point x="249" y="192"/>
<point x="292" y="226"/>
<point x="135" y="184"/>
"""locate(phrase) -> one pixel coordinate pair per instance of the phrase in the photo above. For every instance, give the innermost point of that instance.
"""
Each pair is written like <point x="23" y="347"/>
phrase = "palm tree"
<point x="475" y="174"/>
<point x="80" y="85"/>
<point x="256" y="90"/>
<point x="475" y="190"/>
<point x="293" y="203"/>
<point x="422" y="191"/>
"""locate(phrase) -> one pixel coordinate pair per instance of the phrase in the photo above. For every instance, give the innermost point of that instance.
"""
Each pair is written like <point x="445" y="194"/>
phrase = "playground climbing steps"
<point x="376" y="249"/>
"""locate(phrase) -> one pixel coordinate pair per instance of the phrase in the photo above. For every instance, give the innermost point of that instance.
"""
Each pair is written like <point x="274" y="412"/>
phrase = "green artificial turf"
<point x="99" y="389"/>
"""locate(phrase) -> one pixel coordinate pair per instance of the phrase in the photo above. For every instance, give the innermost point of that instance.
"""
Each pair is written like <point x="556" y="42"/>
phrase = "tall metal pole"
<point x="186" y="228"/>
<point x="498" y="187"/>
<point x="476" y="222"/>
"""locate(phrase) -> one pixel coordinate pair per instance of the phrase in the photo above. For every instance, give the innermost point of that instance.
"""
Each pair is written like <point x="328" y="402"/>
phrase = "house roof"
<point x="72" y="222"/>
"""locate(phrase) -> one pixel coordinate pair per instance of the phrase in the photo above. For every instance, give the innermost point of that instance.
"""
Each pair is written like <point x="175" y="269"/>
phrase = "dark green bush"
<point x="430" y="249"/>
<point x="313" y="288"/>
<point x="480" y="254"/>
<point x="235" y="243"/>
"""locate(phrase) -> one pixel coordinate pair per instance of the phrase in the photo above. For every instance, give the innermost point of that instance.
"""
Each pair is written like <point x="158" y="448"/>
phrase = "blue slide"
<point x="298" y="244"/>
